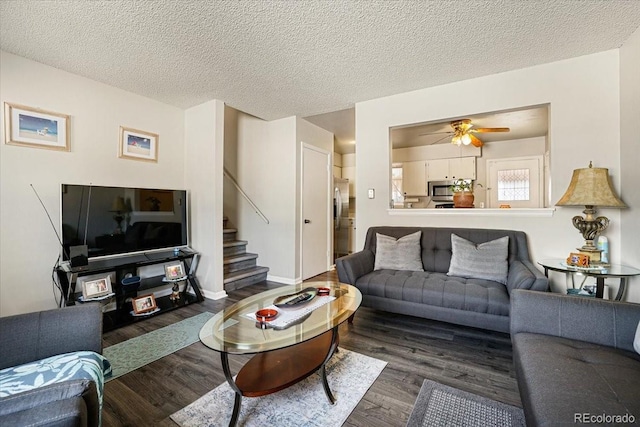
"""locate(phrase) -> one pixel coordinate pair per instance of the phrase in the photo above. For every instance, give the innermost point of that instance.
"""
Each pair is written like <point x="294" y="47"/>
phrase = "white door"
<point x="516" y="182"/>
<point x="316" y="222"/>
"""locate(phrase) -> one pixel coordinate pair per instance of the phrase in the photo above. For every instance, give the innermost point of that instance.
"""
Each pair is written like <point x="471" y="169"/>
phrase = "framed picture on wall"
<point x="32" y="127"/>
<point x="138" y="145"/>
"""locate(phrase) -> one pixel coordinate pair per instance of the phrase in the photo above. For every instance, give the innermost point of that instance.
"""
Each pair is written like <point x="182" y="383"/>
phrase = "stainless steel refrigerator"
<point x="340" y="217"/>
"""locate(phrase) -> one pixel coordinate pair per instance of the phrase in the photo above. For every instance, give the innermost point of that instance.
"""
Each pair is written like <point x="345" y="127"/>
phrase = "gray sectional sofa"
<point x="432" y="293"/>
<point x="575" y="359"/>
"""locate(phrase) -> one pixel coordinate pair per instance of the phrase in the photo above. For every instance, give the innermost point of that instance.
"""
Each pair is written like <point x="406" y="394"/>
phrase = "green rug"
<point x="137" y="352"/>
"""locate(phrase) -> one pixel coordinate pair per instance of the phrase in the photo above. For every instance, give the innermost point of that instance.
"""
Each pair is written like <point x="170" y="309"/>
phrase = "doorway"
<point x="516" y="182"/>
<point x="315" y="211"/>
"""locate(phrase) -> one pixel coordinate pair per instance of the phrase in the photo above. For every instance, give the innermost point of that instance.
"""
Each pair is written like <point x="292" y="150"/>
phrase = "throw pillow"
<point x="484" y="261"/>
<point x="636" y="341"/>
<point x="398" y="254"/>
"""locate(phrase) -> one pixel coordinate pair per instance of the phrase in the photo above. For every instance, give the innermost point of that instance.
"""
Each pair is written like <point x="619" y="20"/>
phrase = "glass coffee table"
<point x="299" y="341"/>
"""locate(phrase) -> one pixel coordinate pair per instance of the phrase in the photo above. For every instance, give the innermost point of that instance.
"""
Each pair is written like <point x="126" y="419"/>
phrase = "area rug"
<point x="139" y="351"/>
<point x="441" y="405"/>
<point x="349" y="374"/>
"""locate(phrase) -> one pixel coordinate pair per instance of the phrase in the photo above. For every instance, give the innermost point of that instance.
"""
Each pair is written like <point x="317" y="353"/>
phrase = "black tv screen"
<point x="120" y="220"/>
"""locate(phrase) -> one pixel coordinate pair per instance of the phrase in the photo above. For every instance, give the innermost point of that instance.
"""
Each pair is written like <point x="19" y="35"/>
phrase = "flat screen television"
<point x="122" y="220"/>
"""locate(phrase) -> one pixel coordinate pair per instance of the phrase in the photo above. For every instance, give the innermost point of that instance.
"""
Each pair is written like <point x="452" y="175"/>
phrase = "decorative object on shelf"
<point x="96" y="288"/>
<point x="591" y="187"/>
<point x="138" y="145"/>
<point x="175" y="292"/>
<point x="144" y="304"/>
<point x="119" y="208"/>
<point x="578" y="260"/>
<point x="463" y="193"/>
<point x="32" y="127"/>
<point x="174" y="272"/>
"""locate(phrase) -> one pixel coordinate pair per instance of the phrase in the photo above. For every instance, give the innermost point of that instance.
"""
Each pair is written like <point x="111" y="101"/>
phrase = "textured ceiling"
<point x="275" y="59"/>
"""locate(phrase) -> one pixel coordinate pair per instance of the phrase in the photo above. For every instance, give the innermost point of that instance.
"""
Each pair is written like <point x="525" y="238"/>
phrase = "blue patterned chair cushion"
<point x="55" y="369"/>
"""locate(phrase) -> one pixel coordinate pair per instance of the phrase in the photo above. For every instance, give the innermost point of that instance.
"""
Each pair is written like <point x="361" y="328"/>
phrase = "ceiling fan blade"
<point x="435" y="133"/>
<point x="444" y="137"/>
<point x="481" y="130"/>
<point x="475" y="141"/>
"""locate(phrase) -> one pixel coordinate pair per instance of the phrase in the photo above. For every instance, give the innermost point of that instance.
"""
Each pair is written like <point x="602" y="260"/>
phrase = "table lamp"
<point x="119" y="208"/>
<point x="591" y="187"/>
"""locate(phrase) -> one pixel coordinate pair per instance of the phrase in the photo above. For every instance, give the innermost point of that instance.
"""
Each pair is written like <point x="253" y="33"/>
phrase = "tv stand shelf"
<point x="117" y="309"/>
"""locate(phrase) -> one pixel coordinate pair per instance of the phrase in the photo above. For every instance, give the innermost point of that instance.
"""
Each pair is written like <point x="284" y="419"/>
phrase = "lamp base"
<point x="595" y="255"/>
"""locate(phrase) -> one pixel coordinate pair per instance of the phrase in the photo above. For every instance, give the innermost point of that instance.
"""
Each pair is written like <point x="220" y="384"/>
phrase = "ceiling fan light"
<point x="466" y="139"/>
<point x="456" y="140"/>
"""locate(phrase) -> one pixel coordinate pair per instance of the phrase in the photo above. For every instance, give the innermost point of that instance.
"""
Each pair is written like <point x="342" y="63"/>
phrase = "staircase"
<point x="240" y="267"/>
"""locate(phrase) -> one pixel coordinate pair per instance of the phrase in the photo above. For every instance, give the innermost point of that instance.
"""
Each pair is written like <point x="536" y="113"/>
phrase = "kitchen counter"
<point x="531" y="212"/>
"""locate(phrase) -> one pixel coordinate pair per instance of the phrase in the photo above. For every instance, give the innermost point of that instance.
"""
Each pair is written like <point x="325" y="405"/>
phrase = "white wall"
<point x="204" y="146"/>
<point x="630" y="156"/>
<point x="28" y="246"/>
<point x="584" y="125"/>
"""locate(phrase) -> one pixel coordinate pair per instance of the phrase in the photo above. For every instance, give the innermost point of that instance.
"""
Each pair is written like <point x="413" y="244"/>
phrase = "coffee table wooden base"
<point x="276" y="370"/>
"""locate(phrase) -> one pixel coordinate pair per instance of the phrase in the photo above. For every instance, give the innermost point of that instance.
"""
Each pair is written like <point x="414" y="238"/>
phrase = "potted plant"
<point x="462" y="193"/>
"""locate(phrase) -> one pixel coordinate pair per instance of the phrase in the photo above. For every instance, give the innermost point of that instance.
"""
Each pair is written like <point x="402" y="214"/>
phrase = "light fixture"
<point x="591" y="187"/>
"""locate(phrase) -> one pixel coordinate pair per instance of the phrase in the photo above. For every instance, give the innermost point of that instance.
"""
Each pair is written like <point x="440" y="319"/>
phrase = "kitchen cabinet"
<point x="337" y="172"/>
<point x="414" y="178"/>
<point x="352" y="235"/>
<point x="349" y="172"/>
<point x="447" y="169"/>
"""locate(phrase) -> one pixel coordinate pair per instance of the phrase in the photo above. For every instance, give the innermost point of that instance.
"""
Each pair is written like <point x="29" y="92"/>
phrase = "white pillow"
<point x="484" y="261"/>
<point x="636" y="341"/>
<point x="400" y="254"/>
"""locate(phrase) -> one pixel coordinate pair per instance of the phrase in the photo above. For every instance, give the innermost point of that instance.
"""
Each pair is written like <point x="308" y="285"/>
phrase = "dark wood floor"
<point x="470" y="359"/>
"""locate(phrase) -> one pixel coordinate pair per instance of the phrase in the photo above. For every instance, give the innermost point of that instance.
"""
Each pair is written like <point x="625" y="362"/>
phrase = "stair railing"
<point x="253" y="205"/>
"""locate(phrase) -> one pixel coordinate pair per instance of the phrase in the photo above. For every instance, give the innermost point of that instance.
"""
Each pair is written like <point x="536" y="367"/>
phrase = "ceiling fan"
<point x="463" y="133"/>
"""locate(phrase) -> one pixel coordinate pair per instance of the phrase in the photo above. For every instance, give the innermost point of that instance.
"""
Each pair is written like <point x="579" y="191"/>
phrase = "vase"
<point x="463" y="199"/>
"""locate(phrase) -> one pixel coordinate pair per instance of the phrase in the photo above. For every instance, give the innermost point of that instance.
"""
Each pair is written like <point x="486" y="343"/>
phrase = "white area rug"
<point x="350" y="375"/>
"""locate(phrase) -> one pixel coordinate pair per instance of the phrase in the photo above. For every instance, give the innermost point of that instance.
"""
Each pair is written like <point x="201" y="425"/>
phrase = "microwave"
<point x="440" y="191"/>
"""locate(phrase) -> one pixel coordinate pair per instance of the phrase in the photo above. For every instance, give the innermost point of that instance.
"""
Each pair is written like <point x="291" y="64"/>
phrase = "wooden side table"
<point x="622" y="272"/>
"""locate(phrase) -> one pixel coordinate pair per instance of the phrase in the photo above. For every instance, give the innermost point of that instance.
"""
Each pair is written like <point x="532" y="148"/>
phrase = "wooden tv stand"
<point x="117" y="309"/>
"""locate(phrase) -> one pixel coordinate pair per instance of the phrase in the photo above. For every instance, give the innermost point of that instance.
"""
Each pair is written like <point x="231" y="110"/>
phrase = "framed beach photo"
<point x="138" y="145"/>
<point x="144" y="304"/>
<point x="174" y="271"/>
<point x="32" y="127"/>
<point x="96" y="288"/>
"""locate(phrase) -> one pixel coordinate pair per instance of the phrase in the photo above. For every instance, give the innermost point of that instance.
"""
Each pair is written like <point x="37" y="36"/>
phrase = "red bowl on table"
<point x="324" y="291"/>
<point x="266" y="314"/>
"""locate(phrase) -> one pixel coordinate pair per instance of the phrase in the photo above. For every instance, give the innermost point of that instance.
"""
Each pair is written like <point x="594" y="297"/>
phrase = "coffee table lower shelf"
<point x="276" y="370"/>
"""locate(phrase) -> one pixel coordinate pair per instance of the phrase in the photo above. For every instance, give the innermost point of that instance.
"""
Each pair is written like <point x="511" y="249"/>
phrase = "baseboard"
<point x="214" y="295"/>
<point x="283" y="280"/>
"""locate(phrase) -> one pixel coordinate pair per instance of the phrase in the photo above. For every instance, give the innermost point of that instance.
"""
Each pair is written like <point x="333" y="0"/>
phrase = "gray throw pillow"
<point x="636" y="341"/>
<point x="484" y="261"/>
<point x="400" y="254"/>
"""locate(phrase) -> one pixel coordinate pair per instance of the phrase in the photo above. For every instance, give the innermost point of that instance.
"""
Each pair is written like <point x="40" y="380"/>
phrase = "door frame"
<point x="328" y="192"/>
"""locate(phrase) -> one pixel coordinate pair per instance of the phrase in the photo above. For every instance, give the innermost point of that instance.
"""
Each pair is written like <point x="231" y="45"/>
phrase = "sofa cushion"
<point x="479" y="261"/>
<point x="636" y="340"/>
<point x="560" y="377"/>
<point x="437" y="289"/>
<point x="69" y="367"/>
<point x="398" y="254"/>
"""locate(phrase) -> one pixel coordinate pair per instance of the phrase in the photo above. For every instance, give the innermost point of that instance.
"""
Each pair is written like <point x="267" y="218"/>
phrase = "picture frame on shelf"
<point x="36" y="128"/>
<point x="144" y="304"/>
<point x="578" y="260"/>
<point x="138" y="145"/>
<point x="96" y="288"/>
<point x="174" y="271"/>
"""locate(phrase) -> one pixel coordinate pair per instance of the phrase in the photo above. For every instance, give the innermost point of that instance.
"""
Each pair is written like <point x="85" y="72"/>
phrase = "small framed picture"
<point x="32" y="127"/>
<point x="578" y="260"/>
<point x="144" y="304"/>
<point x="174" y="271"/>
<point x="96" y="288"/>
<point x="138" y="145"/>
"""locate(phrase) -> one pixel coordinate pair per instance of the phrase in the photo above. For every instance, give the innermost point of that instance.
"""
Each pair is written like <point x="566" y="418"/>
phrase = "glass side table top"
<point x="613" y="270"/>
<point x="232" y="331"/>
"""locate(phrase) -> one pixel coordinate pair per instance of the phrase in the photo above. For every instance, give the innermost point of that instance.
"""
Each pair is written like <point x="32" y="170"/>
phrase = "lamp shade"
<point x="591" y="187"/>
<point x="118" y="205"/>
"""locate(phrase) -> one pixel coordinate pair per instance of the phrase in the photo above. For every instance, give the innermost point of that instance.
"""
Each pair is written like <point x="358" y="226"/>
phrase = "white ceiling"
<point x="275" y="59"/>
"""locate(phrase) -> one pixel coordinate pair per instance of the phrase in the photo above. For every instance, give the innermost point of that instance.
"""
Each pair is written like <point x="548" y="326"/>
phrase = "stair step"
<point x="240" y="279"/>
<point x="229" y="234"/>
<point x="234" y="247"/>
<point x="239" y="262"/>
